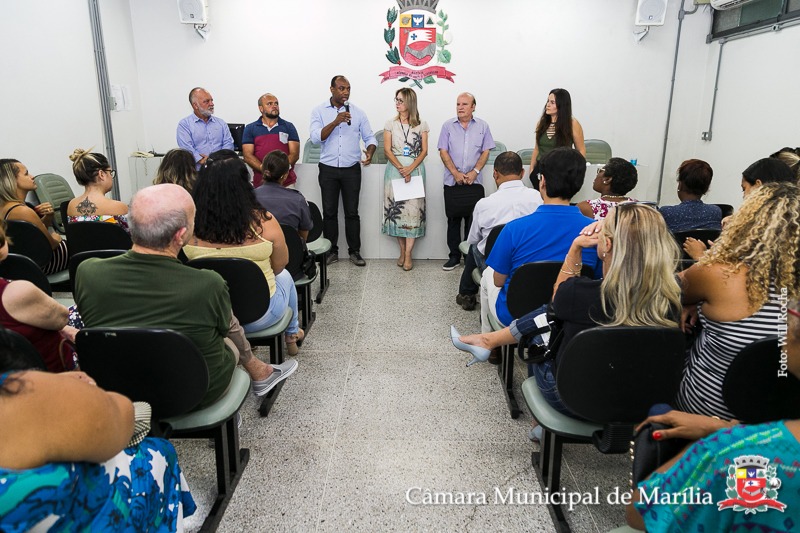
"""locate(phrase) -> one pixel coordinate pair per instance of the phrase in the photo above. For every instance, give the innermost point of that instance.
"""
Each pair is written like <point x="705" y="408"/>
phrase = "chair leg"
<point x="230" y="465"/>
<point x="306" y="304"/>
<point x="555" y="449"/>
<point x="324" y="282"/>
<point x="269" y="399"/>
<point x="275" y="345"/>
<point x="506" y="372"/>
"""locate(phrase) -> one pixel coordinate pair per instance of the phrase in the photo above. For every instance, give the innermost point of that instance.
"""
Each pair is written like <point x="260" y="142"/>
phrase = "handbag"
<point x="460" y="200"/>
<point x="647" y="454"/>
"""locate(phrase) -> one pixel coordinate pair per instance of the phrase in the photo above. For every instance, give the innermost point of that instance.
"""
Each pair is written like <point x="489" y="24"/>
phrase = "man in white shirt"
<point x="511" y="200"/>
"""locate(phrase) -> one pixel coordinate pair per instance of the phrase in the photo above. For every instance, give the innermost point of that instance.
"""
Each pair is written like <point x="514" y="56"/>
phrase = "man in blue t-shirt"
<point x="544" y="235"/>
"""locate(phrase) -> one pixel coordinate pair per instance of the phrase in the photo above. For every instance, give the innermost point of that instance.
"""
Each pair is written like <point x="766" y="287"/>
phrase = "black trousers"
<point x="459" y="202"/>
<point x="474" y="259"/>
<point x="347" y="182"/>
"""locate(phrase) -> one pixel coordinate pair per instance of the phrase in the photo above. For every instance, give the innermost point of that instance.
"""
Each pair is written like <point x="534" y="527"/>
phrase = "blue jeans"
<point x="285" y="296"/>
<point x="546" y="381"/>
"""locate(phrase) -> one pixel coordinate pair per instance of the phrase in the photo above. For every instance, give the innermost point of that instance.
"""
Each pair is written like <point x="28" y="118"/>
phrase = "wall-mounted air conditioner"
<point x="728" y="4"/>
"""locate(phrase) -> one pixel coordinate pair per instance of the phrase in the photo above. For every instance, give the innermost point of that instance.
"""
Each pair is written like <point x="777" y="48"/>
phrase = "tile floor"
<point x="383" y="403"/>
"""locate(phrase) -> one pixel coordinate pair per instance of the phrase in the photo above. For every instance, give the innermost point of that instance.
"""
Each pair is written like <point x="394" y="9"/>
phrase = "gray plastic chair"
<point x="54" y="189"/>
<point x="498" y="149"/>
<point x="311" y="152"/>
<point x="597" y="152"/>
<point x="379" y="157"/>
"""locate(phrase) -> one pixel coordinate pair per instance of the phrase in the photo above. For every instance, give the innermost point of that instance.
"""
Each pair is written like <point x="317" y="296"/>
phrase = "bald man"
<point x="464" y="145"/>
<point x="149" y="287"/>
<point x="270" y="132"/>
<point x="201" y="132"/>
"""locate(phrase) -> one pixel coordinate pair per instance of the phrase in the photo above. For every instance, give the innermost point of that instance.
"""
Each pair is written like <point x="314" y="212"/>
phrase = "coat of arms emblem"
<point x="752" y="486"/>
<point x="423" y="36"/>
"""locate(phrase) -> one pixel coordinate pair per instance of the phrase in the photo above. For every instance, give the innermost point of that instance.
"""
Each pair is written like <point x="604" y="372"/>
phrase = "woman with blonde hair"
<point x="15" y="183"/>
<point x="93" y="171"/>
<point x="405" y="143"/>
<point x="638" y="288"/>
<point x="736" y="291"/>
<point x="177" y="167"/>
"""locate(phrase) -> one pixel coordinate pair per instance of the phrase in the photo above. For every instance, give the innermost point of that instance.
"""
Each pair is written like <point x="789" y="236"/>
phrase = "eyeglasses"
<point x="112" y="172"/>
<point x="398" y="100"/>
<point x="600" y="169"/>
<point x="620" y="205"/>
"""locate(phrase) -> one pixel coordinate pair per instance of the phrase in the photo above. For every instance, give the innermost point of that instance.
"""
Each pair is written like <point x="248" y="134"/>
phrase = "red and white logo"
<point x="423" y="36"/>
<point x="752" y="486"/>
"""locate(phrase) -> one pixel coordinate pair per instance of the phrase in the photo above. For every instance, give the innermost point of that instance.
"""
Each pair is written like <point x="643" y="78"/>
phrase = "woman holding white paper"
<point x="405" y="143"/>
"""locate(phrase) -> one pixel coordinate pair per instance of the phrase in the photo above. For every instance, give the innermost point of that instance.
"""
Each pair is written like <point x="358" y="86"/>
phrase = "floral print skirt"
<point x="405" y="218"/>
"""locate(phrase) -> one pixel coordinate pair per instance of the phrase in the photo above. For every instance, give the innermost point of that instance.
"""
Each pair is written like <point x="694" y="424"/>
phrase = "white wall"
<point x="49" y="91"/>
<point x="509" y="53"/>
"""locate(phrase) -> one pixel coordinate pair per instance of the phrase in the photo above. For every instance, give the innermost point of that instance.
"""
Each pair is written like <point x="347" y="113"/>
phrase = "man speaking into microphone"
<point x="339" y="127"/>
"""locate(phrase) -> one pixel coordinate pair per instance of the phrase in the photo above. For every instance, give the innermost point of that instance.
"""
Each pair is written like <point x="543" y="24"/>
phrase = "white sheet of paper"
<point x="407" y="191"/>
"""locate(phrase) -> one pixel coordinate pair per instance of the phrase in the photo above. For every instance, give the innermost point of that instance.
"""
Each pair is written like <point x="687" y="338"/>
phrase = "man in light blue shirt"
<point x="464" y="145"/>
<point x="201" y="133"/>
<point x="340" y="127"/>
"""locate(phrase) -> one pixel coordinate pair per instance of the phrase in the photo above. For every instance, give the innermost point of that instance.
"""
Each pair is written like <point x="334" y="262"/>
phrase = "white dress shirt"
<point x="511" y="201"/>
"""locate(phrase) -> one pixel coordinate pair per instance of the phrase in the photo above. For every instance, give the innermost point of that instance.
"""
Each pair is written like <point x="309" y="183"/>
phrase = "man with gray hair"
<point x="149" y="287"/>
<point x="201" y="133"/>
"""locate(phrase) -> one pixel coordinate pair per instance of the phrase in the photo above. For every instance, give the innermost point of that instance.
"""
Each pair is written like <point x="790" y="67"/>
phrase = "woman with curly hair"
<point x="736" y="289"/>
<point x="552" y="132"/>
<point x="231" y="223"/>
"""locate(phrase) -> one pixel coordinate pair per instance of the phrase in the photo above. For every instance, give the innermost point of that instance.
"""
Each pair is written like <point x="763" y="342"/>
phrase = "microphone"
<point x="347" y="108"/>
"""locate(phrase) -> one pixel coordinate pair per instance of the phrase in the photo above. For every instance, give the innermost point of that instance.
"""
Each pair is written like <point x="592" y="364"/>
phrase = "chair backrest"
<point x="27" y="240"/>
<point x="615" y="374"/>
<point x="727" y="209"/>
<point x="247" y="285"/>
<point x="757" y="386"/>
<point x="311" y="152"/>
<point x="85" y="236"/>
<point x="77" y="259"/>
<point x="316" y="219"/>
<point x="704" y="235"/>
<point x="597" y="152"/>
<point x="17" y="266"/>
<point x="379" y="157"/>
<point x="498" y="149"/>
<point x="531" y="285"/>
<point x="54" y="189"/>
<point x="526" y="154"/>
<point x="159" y="366"/>
<point x="492" y="238"/>
<point x="297" y="251"/>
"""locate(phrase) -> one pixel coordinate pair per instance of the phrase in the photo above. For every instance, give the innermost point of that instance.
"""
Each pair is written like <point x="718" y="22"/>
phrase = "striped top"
<point x="714" y="350"/>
